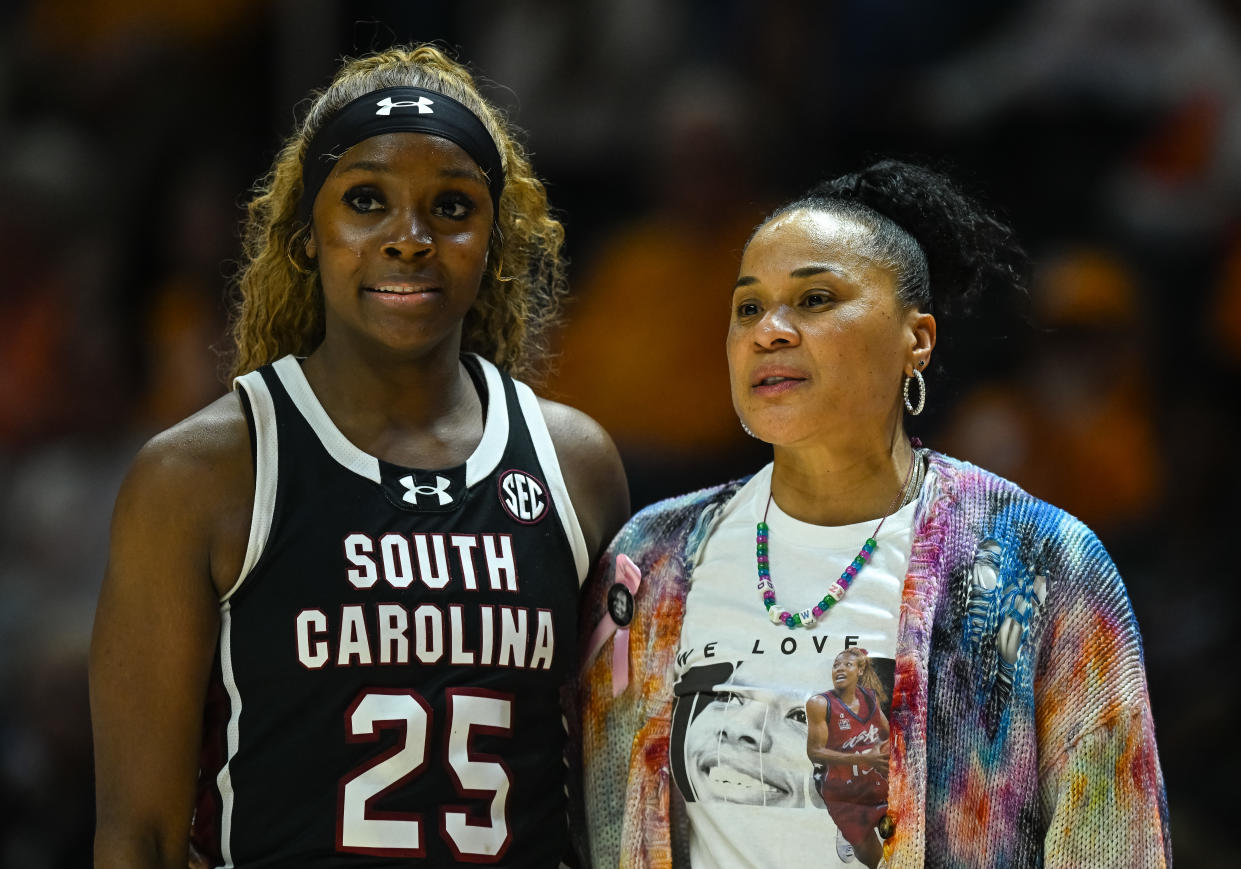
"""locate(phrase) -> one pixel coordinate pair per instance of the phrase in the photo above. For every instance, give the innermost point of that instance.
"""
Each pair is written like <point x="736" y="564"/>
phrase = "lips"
<point x="770" y="375"/>
<point x="402" y="289"/>
<point x="771" y="381"/>
<point x="739" y="786"/>
<point x="405" y="290"/>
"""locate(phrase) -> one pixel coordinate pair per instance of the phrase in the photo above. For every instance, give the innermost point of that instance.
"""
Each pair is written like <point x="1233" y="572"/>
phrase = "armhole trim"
<point x="224" y="779"/>
<point x="546" y="452"/>
<point x="262" y="417"/>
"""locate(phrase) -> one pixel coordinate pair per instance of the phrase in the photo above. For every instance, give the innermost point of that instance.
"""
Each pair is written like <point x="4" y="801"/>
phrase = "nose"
<point x="776" y="328"/>
<point x="746" y="727"/>
<point x="409" y="235"/>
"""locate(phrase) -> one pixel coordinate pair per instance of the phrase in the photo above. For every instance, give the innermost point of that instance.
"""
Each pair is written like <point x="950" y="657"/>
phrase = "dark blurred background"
<point x="1108" y="131"/>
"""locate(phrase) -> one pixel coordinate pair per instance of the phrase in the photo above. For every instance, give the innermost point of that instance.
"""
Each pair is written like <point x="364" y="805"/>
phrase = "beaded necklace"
<point x="836" y="591"/>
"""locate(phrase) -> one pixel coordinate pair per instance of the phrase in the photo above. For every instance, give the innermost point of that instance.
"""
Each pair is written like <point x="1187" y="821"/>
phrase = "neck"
<point x="426" y="407"/>
<point x="826" y="487"/>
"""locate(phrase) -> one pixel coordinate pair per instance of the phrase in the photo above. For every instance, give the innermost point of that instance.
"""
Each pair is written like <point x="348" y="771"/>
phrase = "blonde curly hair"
<point x="278" y="300"/>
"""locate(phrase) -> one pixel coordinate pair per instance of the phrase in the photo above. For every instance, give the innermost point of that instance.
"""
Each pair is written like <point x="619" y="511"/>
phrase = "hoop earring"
<point x="917" y="375"/>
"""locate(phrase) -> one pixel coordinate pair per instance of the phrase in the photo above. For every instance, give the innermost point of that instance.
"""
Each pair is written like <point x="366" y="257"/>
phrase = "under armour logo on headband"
<point x="371" y="115"/>
<point x="422" y="104"/>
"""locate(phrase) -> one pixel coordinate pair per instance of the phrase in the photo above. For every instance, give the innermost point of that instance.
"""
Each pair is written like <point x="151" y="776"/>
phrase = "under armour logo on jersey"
<point x="422" y="104"/>
<point x="413" y="490"/>
<point x="416" y="491"/>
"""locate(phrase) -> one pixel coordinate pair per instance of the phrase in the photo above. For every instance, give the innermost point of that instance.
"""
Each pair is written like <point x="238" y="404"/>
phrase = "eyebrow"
<point x="811" y="271"/>
<point x="803" y="272"/>
<point x="384" y="168"/>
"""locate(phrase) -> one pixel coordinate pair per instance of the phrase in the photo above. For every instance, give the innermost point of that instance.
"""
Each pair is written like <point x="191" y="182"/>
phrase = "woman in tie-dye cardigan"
<point x="1021" y="732"/>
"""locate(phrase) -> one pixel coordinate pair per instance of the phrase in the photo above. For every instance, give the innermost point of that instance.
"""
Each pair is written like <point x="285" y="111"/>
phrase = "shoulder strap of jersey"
<point x="545" y="450"/>
<point x="490" y="449"/>
<point x="289" y="373"/>
<point x="261" y="411"/>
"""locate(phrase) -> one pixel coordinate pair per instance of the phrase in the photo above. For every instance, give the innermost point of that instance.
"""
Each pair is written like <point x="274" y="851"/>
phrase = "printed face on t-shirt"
<point x="748" y="745"/>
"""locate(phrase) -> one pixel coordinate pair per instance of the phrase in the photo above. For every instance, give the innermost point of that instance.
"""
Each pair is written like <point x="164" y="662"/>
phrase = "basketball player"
<point x="340" y="605"/>
<point x="847" y="741"/>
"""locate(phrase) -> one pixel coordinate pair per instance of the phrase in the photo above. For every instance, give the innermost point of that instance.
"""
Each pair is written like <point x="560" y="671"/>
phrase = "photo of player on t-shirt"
<point x="847" y="741"/>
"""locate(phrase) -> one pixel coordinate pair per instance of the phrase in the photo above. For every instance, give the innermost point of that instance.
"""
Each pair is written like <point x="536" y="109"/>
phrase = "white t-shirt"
<point x="738" y="747"/>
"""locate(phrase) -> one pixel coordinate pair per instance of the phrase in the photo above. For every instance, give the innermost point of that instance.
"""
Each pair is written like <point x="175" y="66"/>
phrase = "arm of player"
<point x="592" y="471"/>
<point x="174" y="540"/>
<point x="817" y="735"/>
<point x="600" y="494"/>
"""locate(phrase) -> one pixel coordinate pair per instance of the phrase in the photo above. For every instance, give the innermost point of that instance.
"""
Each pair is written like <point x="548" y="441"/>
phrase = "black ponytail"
<point x="945" y="248"/>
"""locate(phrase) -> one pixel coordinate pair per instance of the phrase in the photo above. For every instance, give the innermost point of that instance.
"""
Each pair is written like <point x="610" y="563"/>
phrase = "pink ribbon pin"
<point x="620" y="613"/>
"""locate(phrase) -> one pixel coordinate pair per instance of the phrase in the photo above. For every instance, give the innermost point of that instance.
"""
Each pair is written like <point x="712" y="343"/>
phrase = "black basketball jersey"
<point x="391" y="660"/>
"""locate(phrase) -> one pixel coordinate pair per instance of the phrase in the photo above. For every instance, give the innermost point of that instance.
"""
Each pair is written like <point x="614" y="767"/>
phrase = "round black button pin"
<point x="887" y="826"/>
<point x="620" y="604"/>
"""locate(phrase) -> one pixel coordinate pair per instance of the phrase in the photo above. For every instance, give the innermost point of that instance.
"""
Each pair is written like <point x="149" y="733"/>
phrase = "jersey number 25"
<point x="362" y="829"/>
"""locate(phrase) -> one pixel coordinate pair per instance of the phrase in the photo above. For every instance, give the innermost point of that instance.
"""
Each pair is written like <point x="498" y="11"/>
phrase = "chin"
<point x="783" y="435"/>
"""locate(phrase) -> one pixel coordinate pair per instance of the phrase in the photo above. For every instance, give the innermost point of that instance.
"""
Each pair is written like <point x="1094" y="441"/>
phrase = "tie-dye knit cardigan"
<point x="1021" y="725"/>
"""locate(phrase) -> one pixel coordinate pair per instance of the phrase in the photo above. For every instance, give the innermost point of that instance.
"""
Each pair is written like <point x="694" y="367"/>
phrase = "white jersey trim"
<point x="266" y="471"/>
<point x="546" y="452"/>
<point x="289" y="370"/>
<point x="486" y="456"/>
<point x="482" y="461"/>
<point x="224" y="780"/>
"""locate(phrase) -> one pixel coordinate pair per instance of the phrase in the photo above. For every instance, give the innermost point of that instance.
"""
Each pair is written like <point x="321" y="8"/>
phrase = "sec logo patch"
<point x="523" y="496"/>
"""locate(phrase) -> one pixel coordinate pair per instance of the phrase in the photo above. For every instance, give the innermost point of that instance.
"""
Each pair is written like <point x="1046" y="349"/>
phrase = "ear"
<point x="922" y="332"/>
<point x="311" y="246"/>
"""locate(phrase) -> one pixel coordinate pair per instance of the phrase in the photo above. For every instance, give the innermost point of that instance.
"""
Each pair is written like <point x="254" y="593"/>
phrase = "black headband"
<point x="399" y="110"/>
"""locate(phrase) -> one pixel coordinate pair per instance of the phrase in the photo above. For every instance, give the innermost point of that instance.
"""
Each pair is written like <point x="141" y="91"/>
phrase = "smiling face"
<point x="818" y="341"/>
<point x="400" y="232"/>
<point x="748" y="745"/>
